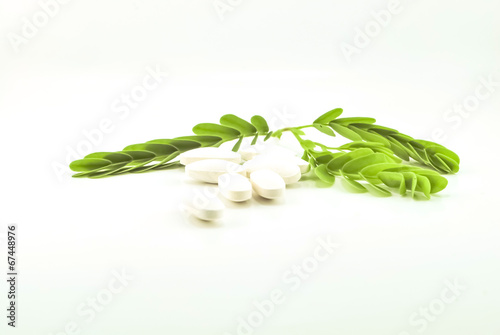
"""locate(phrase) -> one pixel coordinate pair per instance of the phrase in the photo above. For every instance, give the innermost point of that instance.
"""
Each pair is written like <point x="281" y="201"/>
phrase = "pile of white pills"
<point x="239" y="174"/>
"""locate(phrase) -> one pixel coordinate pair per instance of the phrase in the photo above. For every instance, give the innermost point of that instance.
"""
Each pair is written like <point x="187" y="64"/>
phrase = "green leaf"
<point x="372" y="171"/>
<point x="356" y="165"/>
<point x="268" y="135"/>
<point x="324" y="129"/>
<point x="237" y="145"/>
<point x="337" y="163"/>
<point x="438" y="182"/>
<point x="260" y="123"/>
<point x="370" y="136"/>
<point x="233" y="121"/>
<point x="164" y="160"/>
<point x="308" y="144"/>
<point x="398" y="149"/>
<point x="140" y="156"/>
<point x="394" y="180"/>
<point x="113" y="157"/>
<point x="322" y="172"/>
<point x="329" y="116"/>
<point x="348" y="120"/>
<point x="424" y="186"/>
<point x="205" y="141"/>
<point x="181" y="145"/>
<point x="362" y="144"/>
<point x="89" y="164"/>
<point x="402" y="138"/>
<point x="277" y="133"/>
<point x="254" y="141"/>
<point x="346" y="132"/>
<point x="381" y="130"/>
<point x="434" y="148"/>
<point x="297" y="131"/>
<point x="410" y="181"/>
<point x="160" y="150"/>
<point x="324" y="159"/>
<point x="352" y="185"/>
<point x="419" y="149"/>
<point x="378" y="191"/>
<point x="213" y="129"/>
<point x="445" y="163"/>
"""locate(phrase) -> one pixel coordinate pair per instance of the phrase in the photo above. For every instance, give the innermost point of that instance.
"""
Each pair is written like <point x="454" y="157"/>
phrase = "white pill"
<point x="235" y="187"/>
<point x="287" y="169"/>
<point x="302" y="164"/>
<point x="207" y="208"/>
<point x="268" y="184"/>
<point x="199" y="154"/>
<point x="277" y="151"/>
<point x="248" y="153"/>
<point x="209" y="170"/>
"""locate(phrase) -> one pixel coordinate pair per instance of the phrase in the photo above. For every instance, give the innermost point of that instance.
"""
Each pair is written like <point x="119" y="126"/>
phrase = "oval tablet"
<point x="302" y="164"/>
<point x="287" y="169"/>
<point x="206" y="208"/>
<point x="268" y="184"/>
<point x="209" y="170"/>
<point x="248" y="153"/>
<point x="199" y="154"/>
<point x="235" y="187"/>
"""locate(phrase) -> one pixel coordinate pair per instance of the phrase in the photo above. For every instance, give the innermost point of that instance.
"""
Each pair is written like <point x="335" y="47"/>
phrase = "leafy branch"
<point x="372" y="160"/>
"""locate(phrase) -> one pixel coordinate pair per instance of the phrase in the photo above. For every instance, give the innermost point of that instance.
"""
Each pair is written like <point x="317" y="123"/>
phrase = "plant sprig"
<point x="373" y="161"/>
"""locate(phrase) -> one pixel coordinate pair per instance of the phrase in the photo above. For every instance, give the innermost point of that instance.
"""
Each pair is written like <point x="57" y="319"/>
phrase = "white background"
<point x="283" y="60"/>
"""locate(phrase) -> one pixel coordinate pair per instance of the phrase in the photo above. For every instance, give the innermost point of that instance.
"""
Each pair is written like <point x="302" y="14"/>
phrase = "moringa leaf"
<point x="352" y="185"/>
<point x="322" y="172"/>
<point x="424" y="186"/>
<point x="254" y="141"/>
<point x="181" y="145"/>
<point x="410" y="181"/>
<point x="328" y="116"/>
<point x="399" y="149"/>
<point x="378" y="191"/>
<point x="346" y="132"/>
<point x="372" y="171"/>
<point x="237" y="145"/>
<point x="356" y="165"/>
<point x="394" y="180"/>
<point x="374" y="156"/>
<point x="348" y="120"/>
<point x="308" y="144"/>
<point x="260" y="123"/>
<point x="113" y="157"/>
<point x="89" y="164"/>
<point x="438" y="182"/>
<point x="213" y="129"/>
<point x="324" y="129"/>
<point x="435" y="148"/>
<point x="139" y="156"/>
<point x="381" y="130"/>
<point x="160" y="150"/>
<point x="235" y="122"/>
<point x="205" y="141"/>
<point x="370" y="136"/>
<point x="324" y="159"/>
<point x="337" y="163"/>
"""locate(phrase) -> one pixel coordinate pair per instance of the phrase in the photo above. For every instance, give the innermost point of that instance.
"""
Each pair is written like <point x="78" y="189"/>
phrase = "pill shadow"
<point x="204" y="224"/>
<point x="237" y="205"/>
<point x="268" y="202"/>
